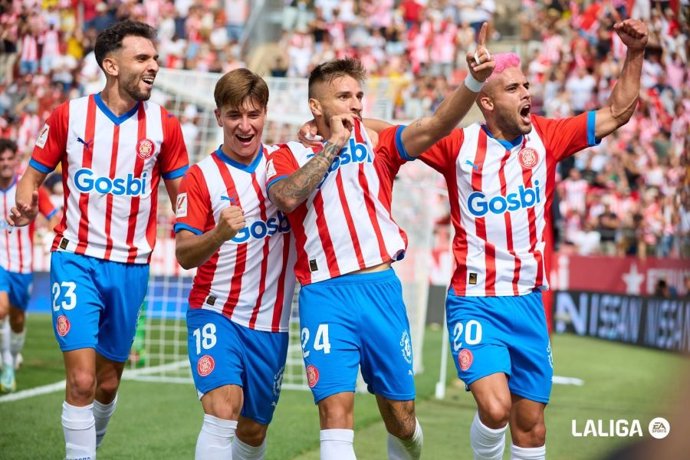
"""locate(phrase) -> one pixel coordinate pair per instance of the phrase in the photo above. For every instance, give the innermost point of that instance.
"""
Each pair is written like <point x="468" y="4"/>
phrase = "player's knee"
<point x="495" y="413"/>
<point x="251" y="433"/>
<point x="81" y="386"/>
<point x="17" y="322"/>
<point x="108" y="387"/>
<point x="529" y="435"/>
<point x="335" y="416"/>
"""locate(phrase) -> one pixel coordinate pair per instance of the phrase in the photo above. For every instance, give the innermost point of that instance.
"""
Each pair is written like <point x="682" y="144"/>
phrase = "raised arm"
<point x="26" y="199"/>
<point x="623" y="99"/>
<point x="425" y="132"/>
<point x="290" y="192"/>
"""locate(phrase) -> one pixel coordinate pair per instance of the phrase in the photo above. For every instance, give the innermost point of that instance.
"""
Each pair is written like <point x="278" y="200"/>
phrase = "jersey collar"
<point x="507" y="144"/>
<point x="109" y="113"/>
<point x="14" y="181"/>
<point x="250" y="168"/>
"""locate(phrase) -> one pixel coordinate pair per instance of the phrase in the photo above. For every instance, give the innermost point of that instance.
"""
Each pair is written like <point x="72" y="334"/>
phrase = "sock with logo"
<point x="102" y="413"/>
<point x="243" y="451"/>
<point x="337" y="444"/>
<point x="527" y="453"/>
<point x="406" y="449"/>
<point x="215" y="438"/>
<point x="487" y="443"/>
<point x="78" y="425"/>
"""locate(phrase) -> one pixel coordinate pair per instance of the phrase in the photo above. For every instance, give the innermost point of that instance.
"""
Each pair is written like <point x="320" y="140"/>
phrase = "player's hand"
<point x="633" y="33"/>
<point x="308" y="134"/>
<point x="480" y="62"/>
<point x="230" y="221"/>
<point x="341" y="127"/>
<point x="24" y="213"/>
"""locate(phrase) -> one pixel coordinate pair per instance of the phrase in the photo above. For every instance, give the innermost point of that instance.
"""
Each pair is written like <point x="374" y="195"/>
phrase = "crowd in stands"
<point x="628" y="196"/>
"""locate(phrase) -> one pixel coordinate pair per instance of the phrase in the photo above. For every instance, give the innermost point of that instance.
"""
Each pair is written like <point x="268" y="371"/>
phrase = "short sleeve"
<point x="193" y="210"/>
<point x="280" y="164"/>
<point x="565" y="136"/>
<point x="45" y="206"/>
<point x="173" y="160"/>
<point x="442" y="155"/>
<point x="51" y="143"/>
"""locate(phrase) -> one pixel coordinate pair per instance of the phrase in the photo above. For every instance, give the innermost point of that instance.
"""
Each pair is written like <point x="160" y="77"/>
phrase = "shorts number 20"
<point x="472" y="330"/>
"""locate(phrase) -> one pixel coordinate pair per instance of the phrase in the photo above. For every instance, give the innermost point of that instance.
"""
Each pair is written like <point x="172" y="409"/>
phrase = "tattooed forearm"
<point x="293" y="190"/>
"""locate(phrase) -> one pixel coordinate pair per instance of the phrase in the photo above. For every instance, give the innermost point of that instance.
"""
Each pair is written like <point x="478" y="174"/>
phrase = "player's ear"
<point x="110" y="66"/>
<point x="315" y="107"/>
<point x="216" y="112"/>
<point x="485" y="102"/>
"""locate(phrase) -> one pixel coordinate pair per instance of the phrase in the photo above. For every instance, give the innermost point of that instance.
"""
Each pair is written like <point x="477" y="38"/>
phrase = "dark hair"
<point x="7" y="144"/>
<point x="328" y="71"/>
<point x="111" y="38"/>
<point x="240" y="85"/>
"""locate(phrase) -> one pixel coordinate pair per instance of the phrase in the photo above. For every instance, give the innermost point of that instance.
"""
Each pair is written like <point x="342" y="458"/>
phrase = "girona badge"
<point x="205" y="365"/>
<point x="145" y="149"/>
<point x="528" y="158"/>
<point x="312" y="376"/>
<point x="62" y="325"/>
<point x="465" y="359"/>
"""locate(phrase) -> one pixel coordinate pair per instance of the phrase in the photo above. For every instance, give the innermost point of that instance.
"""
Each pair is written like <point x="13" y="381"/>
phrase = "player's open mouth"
<point x="244" y="139"/>
<point x="149" y="80"/>
<point x="524" y="113"/>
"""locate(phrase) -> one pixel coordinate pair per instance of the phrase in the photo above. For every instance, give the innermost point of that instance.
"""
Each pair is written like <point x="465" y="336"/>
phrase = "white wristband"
<point x="473" y="84"/>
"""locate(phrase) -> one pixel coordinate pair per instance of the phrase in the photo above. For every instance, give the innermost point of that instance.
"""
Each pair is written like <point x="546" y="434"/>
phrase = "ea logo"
<point x="659" y="428"/>
<point x="205" y="365"/>
<point x="528" y="158"/>
<point x="145" y="149"/>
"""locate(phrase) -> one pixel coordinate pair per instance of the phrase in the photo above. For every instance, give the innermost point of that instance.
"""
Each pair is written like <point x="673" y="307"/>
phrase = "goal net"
<point x="160" y="347"/>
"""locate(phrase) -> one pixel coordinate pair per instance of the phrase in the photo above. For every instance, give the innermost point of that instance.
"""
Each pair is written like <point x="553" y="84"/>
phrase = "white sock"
<point x="406" y="449"/>
<point x="243" y="451"/>
<point x="527" y="453"/>
<point x="337" y="444"/>
<point x="16" y="344"/>
<point x="215" y="439"/>
<point x="102" y="413"/>
<point x="80" y="433"/>
<point x="487" y="443"/>
<point x="5" y="344"/>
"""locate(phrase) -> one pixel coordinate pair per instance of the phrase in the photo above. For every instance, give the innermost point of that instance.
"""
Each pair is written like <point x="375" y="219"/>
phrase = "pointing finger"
<point x="482" y="35"/>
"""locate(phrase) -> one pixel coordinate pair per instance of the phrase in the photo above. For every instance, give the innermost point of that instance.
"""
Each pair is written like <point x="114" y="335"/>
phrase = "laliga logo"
<point x="85" y="182"/>
<point x="658" y="427"/>
<point x="524" y="198"/>
<point x="260" y="229"/>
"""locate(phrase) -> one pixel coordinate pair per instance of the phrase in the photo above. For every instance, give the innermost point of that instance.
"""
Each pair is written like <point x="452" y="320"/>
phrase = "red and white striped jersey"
<point x="17" y="243"/>
<point x="346" y="225"/>
<point x="500" y="195"/>
<point x="250" y="278"/>
<point x="111" y="167"/>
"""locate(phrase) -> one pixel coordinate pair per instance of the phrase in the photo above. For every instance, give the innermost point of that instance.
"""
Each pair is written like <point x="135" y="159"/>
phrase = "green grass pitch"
<point x="161" y="420"/>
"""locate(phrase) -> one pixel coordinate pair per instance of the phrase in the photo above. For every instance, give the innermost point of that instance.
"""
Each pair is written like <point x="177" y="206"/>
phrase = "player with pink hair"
<point x="501" y="178"/>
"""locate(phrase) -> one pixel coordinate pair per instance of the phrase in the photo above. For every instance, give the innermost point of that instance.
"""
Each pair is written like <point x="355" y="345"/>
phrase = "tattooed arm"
<point x="290" y="192"/>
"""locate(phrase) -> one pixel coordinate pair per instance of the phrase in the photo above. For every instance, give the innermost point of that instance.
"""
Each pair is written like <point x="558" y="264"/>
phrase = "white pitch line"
<point x="559" y="380"/>
<point x="31" y="392"/>
<point x="57" y="386"/>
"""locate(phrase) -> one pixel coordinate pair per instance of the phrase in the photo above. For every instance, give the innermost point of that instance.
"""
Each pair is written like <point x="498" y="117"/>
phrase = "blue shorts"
<point x="353" y="320"/>
<point x="18" y="287"/>
<point x="96" y="303"/>
<point x="502" y="334"/>
<point x="222" y="352"/>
